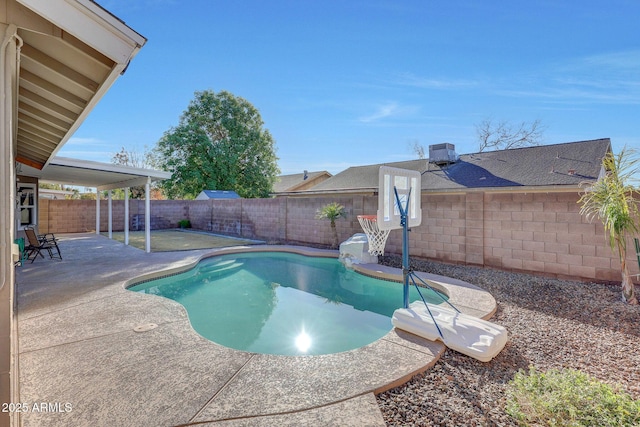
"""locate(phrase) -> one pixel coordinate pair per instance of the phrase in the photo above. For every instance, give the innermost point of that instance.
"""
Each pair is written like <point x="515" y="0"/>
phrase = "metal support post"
<point x="406" y="271"/>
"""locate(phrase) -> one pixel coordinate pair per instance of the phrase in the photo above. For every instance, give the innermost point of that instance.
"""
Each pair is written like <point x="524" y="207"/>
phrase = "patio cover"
<point x="102" y="176"/>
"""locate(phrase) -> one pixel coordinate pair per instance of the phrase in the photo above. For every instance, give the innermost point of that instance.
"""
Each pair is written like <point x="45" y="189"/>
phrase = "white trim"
<point x="147" y="216"/>
<point x="104" y="176"/>
<point x="110" y="210"/>
<point x="97" y="211"/>
<point x="109" y="167"/>
<point x="128" y="183"/>
<point x="93" y="25"/>
<point x="126" y="216"/>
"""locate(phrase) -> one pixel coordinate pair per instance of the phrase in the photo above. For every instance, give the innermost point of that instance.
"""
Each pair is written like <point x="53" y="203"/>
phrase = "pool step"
<point x="219" y="267"/>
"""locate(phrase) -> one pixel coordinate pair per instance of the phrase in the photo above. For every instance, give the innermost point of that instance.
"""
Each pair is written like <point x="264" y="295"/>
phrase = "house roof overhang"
<point x="72" y="52"/>
<point x="103" y="176"/>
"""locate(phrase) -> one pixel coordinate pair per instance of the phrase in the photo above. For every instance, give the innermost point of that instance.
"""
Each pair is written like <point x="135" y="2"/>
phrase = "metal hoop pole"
<point x="405" y="244"/>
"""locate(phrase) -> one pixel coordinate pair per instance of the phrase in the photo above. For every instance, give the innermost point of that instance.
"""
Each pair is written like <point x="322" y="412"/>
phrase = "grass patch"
<point x="176" y="240"/>
<point x="568" y="398"/>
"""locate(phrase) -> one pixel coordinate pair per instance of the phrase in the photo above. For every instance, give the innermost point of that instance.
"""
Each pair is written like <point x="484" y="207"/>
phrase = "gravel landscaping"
<point x="552" y="324"/>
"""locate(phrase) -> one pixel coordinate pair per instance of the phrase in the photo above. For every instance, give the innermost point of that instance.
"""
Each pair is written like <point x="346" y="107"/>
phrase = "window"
<point x="26" y="205"/>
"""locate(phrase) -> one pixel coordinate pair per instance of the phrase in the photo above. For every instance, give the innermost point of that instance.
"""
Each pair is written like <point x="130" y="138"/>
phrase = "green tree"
<point x="51" y="186"/>
<point x="218" y="144"/>
<point x="332" y="212"/>
<point x="611" y="199"/>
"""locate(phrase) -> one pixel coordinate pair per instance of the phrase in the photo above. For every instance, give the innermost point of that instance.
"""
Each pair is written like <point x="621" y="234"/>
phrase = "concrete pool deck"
<point x="80" y="355"/>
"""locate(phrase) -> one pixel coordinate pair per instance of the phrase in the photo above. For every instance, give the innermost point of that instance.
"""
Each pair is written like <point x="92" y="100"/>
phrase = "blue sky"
<point x="346" y="83"/>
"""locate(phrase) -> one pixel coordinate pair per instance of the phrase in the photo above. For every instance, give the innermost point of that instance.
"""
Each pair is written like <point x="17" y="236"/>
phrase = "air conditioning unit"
<point x="442" y="153"/>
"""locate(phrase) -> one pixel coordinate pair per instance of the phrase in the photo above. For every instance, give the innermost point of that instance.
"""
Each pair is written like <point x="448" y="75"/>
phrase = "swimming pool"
<point x="283" y="303"/>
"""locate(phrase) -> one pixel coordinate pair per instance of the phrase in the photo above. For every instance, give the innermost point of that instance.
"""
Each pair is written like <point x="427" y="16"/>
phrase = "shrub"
<point x="184" y="223"/>
<point x="332" y="212"/>
<point x="568" y="398"/>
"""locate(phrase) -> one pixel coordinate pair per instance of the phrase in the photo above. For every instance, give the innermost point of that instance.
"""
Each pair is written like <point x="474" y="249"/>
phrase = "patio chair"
<point x="48" y="238"/>
<point x="36" y="246"/>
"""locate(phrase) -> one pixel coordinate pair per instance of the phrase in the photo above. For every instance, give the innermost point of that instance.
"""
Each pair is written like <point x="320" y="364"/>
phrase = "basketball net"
<point x="377" y="238"/>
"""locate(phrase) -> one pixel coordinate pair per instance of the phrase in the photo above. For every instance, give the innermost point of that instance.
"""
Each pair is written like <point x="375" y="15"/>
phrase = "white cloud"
<point x="409" y="79"/>
<point x="381" y="112"/>
<point x="390" y="110"/>
<point x="625" y="60"/>
<point x="611" y="78"/>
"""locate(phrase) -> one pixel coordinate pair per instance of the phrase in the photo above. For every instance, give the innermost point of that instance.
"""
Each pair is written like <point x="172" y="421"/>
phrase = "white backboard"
<point x="407" y="184"/>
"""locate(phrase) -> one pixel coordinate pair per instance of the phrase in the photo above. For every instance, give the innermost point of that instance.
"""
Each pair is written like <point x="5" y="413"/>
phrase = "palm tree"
<point x="332" y="211"/>
<point x="611" y="199"/>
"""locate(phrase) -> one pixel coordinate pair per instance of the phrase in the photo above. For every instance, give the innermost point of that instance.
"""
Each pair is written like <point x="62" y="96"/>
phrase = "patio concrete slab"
<point x="358" y="411"/>
<point x="79" y="353"/>
<point x="160" y="377"/>
<point x="116" y="313"/>
<point x="93" y="267"/>
<point x="296" y="383"/>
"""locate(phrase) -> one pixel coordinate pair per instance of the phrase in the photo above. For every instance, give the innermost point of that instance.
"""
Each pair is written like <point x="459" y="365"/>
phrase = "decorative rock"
<point x="552" y="323"/>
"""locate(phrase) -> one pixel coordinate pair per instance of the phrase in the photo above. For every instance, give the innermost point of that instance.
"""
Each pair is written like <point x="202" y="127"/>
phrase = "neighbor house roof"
<point x="559" y="165"/>
<point x="217" y="194"/>
<point x="299" y="181"/>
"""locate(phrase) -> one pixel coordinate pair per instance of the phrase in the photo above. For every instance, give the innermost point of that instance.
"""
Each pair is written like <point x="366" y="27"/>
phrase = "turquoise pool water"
<point x="283" y="303"/>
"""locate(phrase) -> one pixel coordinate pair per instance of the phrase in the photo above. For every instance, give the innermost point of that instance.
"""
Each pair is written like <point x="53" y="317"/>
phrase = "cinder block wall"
<point x="544" y="232"/>
<point x="530" y="232"/>
<point x="265" y="219"/>
<point x="67" y="216"/>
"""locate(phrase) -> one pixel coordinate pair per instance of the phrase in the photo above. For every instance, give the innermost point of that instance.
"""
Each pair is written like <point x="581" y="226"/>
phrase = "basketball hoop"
<point x="377" y="238"/>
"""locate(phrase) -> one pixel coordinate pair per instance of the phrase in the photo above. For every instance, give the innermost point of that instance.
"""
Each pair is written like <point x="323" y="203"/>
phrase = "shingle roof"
<point x="221" y="194"/>
<point x="296" y="180"/>
<point x="567" y="164"/>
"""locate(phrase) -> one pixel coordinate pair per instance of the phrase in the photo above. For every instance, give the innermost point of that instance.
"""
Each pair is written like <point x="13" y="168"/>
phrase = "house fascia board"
<point x="92" y="24"/>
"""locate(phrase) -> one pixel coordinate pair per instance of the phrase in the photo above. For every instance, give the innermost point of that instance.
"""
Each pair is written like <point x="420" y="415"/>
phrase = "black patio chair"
<point x="49" y="239"/>
<point x="36" y="246"/>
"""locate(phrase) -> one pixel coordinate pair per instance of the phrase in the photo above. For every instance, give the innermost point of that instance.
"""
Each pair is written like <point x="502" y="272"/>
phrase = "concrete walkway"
<point x="83" y="363"/>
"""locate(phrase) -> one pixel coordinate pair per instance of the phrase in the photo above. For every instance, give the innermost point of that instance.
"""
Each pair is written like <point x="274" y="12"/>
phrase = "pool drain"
<point x="146" y="327"/>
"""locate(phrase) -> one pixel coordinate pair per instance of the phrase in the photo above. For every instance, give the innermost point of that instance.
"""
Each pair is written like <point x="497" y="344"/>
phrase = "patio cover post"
<point x="126" y="215"/>
<point x="147" y="215"/>
<point x="110" y="215"/>
<point x="97" y="211"/>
